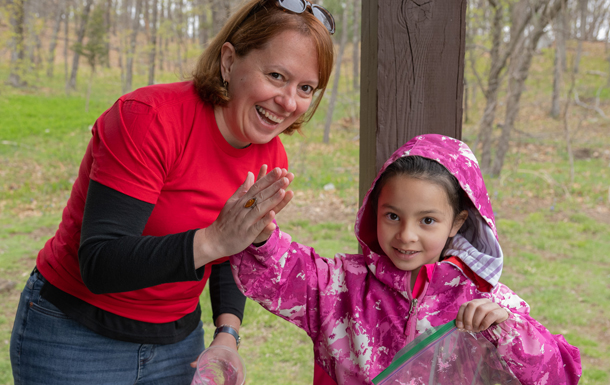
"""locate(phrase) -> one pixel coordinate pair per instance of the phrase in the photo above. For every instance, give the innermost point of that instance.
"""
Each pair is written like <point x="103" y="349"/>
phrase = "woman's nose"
<point x="287" y="99"/>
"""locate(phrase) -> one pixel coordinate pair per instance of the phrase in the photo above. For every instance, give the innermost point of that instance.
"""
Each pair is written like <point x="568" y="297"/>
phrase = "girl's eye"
<point x="428" y="221"/>
<point x="392" y="216"/>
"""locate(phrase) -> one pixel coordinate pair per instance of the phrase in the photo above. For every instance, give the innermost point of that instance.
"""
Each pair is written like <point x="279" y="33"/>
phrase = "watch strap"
<point x="228" y="329"/>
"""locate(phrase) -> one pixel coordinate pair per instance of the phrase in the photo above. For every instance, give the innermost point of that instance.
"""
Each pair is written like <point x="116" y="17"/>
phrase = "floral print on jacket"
<point x="359" y="309"/>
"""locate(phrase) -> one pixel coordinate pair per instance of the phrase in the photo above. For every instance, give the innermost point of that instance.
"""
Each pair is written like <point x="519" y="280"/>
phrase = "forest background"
<point x="536" y="108"/>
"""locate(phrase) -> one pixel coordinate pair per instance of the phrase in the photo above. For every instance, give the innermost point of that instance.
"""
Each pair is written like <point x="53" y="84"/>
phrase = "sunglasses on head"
<point x="300" y="6"/>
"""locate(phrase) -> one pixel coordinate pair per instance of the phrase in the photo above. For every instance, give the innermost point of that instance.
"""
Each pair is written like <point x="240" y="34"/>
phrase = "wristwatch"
<point x="228" y="329"/>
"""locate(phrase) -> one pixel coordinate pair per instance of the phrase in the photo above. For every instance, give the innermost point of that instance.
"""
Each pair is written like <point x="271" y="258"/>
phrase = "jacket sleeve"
<point x="286" y="278"/>
<point x="533" y="354"/>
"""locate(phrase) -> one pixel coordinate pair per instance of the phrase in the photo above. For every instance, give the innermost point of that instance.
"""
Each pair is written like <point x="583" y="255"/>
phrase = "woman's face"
<point x="270" y="88"/>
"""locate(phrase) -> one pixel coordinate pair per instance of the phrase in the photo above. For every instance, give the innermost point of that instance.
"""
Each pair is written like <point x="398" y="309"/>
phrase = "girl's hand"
<point x="479" y="314"/>
<point x="247" y="214"/>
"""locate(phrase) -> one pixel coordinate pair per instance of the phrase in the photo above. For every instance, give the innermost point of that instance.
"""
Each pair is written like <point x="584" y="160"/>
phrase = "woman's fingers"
<point x="262" y="172"/>
<point x="247" y="216"/>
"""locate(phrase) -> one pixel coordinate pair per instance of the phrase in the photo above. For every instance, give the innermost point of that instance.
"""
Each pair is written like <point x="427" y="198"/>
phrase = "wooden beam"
<point x="411" y="76"/>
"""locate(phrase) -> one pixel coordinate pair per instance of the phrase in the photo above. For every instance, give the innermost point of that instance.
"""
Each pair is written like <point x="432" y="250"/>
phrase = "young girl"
<point x="430" y="255"/>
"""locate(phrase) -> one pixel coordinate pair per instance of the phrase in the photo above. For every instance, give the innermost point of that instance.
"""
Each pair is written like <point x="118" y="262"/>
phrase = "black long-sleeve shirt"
<point x="115" y="257"/>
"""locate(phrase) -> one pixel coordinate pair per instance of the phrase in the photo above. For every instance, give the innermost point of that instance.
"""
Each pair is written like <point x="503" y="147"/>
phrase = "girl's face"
<point x="270" y="88"/>
<point x="414" y="220"/>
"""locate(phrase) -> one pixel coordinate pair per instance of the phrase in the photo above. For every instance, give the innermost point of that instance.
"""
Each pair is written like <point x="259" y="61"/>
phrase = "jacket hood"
<point x="476" y="245"/>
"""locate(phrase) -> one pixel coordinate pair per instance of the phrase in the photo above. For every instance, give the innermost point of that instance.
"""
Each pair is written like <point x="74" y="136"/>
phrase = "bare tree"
<point x="80" y="36"/>
<point x="333" y="96"/>
<point x="59" y="13"/>
<point x="153" y="44"/>
<point x="582" y="7"/>
<point x="132" y="48"/>
<point x="66" y="31"/>
<point x="34" y="23"/>
<point x="219" y="15"/>
<point x="203" y="23"/>
<point x="598" y="11"/>
<point x="356" y="44"/>
<point x="17" y="65"/>
<point x="124" y="30"/>
<point x="95" y="49"/>
<point x="498" y="61"/>
<point x="161" y="25"/>
<point x="179" y="26"/>
<point x="560" y="53"/>
<point x="543" y="16"/>
<point x="109" y="27"/>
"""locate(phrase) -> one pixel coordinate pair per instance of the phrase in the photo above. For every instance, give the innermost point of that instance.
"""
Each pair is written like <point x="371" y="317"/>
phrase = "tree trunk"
<point x="583" y="32"/>
<point x="517" y="80"/>
<point x="153" y="43"/>
<point x="498" y="63"/>
<point x="132" y="48"/>
<point x="109" y="28"/>
<point x="356" y="44"/>
<point x="123" y="45"/>
<point x="608" y="58"/>
<point x="218" y="15"/>
<point x="66" y="31"/>
<point x="557" y="69"/>
<point x="566" y="127"/>
<point x="161" y="40"/>
<point x="89" y="88"/>
<point x="557" y="75"/>
<point x="179" y="35"/>
<point x="53" y="44"/>
<point x="333" y="97"/>
<point x="17" y="15"/>
<point x="466" y="100"/>
<point x="203" y="24"/>
<point x="80" y="36"/>
<point x="493" y="84"/>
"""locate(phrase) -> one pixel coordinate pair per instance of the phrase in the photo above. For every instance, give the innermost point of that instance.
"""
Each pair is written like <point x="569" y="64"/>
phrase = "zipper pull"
<point x="413" y="305"/>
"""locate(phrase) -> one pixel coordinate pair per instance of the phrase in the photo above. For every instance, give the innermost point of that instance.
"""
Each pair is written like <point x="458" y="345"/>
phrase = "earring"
<point x="225" y="85"/>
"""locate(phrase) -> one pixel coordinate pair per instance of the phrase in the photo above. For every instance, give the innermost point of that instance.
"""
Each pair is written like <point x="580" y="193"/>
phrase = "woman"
<point x="114" y="297"/>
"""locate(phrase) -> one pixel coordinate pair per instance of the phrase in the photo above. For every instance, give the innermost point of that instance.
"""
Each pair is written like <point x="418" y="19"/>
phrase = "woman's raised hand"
<point x="247" y="216"/>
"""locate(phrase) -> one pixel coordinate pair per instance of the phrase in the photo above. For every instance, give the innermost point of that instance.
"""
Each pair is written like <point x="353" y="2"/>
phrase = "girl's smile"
<point x="414" y="221"/>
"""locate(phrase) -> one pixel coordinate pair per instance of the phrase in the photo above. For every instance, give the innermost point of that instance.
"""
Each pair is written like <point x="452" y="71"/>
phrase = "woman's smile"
<point x="269" y="88"/>
<point x="268" y="116"/>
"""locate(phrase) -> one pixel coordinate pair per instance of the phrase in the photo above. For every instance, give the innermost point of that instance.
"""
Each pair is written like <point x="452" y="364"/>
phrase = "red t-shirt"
<point x="159" y="144"/>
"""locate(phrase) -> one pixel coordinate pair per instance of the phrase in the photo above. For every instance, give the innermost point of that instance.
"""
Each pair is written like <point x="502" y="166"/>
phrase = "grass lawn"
<point x="555" y="233"/>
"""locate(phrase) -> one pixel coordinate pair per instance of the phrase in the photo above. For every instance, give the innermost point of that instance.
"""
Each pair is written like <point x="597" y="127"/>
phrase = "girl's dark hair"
<point x="426" y="169"/>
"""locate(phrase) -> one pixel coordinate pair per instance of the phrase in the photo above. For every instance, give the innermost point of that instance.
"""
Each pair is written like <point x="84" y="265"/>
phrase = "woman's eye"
<point x="275" y="75"/>
<point x="428" y="221"/>
<point x="307" y="89"/>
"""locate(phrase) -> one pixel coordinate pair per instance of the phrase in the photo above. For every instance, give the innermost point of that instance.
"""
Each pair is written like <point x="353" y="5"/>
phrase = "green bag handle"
<point x="419" y="346"/>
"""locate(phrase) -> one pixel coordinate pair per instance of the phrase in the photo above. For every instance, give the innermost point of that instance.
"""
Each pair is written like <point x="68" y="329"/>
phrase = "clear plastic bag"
<point x="447" y="356"/>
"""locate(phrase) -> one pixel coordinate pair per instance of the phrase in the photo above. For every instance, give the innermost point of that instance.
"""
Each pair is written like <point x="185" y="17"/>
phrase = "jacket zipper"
<point x="412" y="322"/>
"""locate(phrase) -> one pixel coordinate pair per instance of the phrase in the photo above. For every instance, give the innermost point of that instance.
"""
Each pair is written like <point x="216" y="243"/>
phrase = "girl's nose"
<point x="407" y="234"/>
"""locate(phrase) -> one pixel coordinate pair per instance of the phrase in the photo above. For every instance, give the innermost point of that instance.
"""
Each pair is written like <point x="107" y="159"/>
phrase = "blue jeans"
<point x="48" y="348"/>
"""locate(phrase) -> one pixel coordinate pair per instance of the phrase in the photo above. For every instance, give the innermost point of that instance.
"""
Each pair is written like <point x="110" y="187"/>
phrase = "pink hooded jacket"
<point x="359" y="309"/>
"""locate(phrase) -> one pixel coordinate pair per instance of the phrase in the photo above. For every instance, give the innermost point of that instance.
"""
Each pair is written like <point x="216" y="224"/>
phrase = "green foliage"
<point x="555" y="245"/>
<point x="95" y="50"/>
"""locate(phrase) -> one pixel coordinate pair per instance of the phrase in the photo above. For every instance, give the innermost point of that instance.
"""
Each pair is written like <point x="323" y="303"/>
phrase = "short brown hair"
<point x="251" y="27"/>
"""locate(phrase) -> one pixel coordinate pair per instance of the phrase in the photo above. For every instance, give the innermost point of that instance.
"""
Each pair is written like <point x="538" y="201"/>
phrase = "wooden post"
<point x="411" y="78"/>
